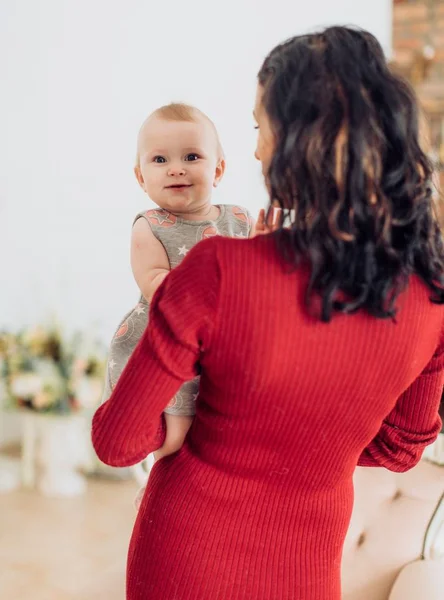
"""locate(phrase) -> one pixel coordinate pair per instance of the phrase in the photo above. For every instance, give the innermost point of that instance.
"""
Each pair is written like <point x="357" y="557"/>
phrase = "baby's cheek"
<point x="153" y="184"/>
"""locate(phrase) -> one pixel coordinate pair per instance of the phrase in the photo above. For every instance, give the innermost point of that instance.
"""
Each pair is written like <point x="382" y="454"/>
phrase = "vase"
<point x="9" y="474"/>
<point x="61" y="450"/>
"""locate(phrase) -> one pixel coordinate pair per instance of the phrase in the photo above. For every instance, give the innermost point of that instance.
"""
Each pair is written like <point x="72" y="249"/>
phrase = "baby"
<point x="179" y="162"/>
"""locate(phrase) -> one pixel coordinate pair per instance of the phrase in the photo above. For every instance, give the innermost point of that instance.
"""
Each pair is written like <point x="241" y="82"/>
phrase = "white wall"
<point x="77" y="79"/>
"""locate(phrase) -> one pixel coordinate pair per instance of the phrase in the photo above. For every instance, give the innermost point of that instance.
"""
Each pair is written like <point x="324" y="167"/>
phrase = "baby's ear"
<point x="219" y="173"/>
<point x="139" y="177"/>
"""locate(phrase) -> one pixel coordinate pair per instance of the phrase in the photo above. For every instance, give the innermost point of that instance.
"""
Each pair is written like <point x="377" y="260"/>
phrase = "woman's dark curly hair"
<point x="349" y="173"/>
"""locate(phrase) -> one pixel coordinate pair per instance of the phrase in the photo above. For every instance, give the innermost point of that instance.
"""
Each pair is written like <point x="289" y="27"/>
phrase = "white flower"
<point x="26" y="385"/>
<point x="46" y="368"/>
<point x="52" y="379"/>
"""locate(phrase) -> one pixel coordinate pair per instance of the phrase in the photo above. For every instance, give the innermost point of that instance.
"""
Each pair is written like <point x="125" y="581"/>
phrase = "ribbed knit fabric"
<point x="257" y="503"/>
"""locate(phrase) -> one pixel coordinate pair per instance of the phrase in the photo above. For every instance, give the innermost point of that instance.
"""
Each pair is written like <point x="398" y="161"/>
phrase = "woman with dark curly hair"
<point x="320" y="345"/>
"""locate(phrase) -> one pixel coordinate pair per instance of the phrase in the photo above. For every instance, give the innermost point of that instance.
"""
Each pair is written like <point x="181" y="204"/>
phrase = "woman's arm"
<point x="128" y="426"/>
<point x="413" y="424"/>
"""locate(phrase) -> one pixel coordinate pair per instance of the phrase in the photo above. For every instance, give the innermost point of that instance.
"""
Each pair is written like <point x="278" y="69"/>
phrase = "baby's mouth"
<point x="178" y="186"/>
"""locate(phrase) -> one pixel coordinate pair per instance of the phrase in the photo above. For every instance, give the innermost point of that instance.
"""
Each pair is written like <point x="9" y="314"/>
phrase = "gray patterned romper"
<point x="177" y="237"/>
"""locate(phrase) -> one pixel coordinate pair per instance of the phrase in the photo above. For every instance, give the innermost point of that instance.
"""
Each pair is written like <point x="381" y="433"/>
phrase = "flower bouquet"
<point x="44" y="371"/>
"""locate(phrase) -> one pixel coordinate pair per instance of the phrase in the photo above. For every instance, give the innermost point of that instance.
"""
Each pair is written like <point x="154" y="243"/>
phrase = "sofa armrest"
<point x="423" y="579"/>
<point x="433" y="548"/>
<point x="396" y="521"/>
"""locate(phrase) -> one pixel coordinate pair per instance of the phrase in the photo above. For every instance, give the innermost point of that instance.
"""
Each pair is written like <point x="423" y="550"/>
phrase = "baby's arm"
<point x="149" y="260"/>
<point x="150" y="265"/>
<point x="177" y="427"/>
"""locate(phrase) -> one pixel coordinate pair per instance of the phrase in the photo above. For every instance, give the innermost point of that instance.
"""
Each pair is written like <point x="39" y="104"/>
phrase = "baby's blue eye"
<point x="159" y="159"/>
<point x="191" y="157"/>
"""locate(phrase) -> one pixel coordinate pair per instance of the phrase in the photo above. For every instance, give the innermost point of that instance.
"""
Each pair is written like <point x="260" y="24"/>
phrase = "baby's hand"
<point x="264" y="226"/>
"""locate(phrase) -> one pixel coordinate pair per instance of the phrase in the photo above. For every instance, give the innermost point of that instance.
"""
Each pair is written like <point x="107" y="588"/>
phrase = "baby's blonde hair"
<point x="178" y="111"/>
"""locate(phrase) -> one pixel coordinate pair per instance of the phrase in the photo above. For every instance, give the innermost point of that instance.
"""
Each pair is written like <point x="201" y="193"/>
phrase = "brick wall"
<point x="418" y="44"/>
<point x="419" y="26"/>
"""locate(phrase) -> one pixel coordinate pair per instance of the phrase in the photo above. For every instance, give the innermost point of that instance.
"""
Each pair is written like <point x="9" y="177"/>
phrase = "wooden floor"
<point x="66" y="549"/>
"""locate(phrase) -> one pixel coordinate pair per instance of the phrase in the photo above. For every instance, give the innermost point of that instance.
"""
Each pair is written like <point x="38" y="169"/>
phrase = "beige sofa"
<point x="395" y="545"/>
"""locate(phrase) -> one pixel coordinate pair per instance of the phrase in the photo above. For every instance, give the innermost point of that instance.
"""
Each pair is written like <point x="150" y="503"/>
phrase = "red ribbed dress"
<point x="256" y="504"/>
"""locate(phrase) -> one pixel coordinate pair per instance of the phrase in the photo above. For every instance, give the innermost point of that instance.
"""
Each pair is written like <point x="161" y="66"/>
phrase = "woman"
<point x="320" y="345"/>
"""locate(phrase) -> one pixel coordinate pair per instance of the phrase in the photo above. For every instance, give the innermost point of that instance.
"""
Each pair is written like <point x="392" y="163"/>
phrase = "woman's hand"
<point x="267" y="224"/>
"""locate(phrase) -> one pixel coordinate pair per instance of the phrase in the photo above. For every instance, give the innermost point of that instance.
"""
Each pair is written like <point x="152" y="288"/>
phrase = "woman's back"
<point x="315" y="388"/>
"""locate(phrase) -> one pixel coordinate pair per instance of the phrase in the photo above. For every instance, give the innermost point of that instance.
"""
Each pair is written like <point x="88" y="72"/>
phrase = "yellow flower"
<point x="36" y="340"/>
<point x="15" y="363"/>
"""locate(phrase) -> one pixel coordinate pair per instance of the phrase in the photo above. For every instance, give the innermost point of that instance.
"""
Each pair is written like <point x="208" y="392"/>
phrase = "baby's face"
<point x="179" y="163"/>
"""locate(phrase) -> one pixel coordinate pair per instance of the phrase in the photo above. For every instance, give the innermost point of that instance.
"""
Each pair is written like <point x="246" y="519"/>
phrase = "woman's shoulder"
<point x="243" y="256"/>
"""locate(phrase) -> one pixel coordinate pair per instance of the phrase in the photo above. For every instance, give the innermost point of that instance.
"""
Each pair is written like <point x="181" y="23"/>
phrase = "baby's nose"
<point x="176" y="170"/>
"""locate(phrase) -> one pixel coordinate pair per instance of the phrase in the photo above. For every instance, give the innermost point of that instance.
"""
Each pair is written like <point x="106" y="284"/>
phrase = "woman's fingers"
<point x="274" y="218"/>
<point x="261" y="219"/>
<point x="269" y="220"/>
<point x="277" y="218"/>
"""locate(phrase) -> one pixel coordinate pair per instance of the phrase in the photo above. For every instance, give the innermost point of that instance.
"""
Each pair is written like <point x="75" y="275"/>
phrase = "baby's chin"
<point x="179" y="205"/>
